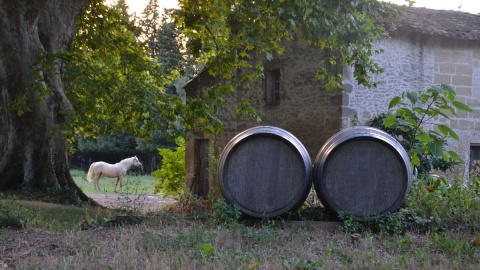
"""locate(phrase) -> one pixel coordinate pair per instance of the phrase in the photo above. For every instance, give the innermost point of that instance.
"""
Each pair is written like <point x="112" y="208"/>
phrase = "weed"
<point x="225" y="213"/>
<point x="301" y="263"/>
<point x="133" y="196"/>
<point x="351" y="223"/>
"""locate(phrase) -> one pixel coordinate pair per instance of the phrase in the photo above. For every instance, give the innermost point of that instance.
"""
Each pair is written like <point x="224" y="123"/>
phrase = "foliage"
<point x="150" y="22"/>
<point x="112" y="83"/>
<point x="235" y="38"/>
<point x="171" y="176"/>
<point x="434" y="199"/>
<point x="426" y="148"/>
<point x="121" y="65"/>
<point x="225" y="213"/>
<point x="116" y="143"/>
<point x="432" y="205"/>
<point x="170" y="55"/>
<point x="351" y="223"/>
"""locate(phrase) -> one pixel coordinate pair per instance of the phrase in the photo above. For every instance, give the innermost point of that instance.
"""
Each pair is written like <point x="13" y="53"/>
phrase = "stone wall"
<point x="416" y="63"/>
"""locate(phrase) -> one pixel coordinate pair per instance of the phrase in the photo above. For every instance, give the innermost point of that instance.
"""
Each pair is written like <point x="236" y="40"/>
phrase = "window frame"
<point x="273" y="83"/>
<point x="474" y="158"/>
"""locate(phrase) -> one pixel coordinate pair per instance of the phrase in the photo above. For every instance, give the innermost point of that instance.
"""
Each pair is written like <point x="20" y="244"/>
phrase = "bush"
<point x="426" y="148"/>
<point x="171" y="176"/>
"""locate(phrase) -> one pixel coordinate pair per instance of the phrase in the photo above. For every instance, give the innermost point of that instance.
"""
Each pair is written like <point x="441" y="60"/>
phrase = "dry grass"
<point x="167" y="241"/>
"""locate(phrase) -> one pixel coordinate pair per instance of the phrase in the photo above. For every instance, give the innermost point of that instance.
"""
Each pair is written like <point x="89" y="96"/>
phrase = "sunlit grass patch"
<point x="133" y="184"/>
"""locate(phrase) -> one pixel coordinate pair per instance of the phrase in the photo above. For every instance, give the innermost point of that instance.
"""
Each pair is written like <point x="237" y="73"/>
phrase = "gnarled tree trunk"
<point x="33" y="106"/>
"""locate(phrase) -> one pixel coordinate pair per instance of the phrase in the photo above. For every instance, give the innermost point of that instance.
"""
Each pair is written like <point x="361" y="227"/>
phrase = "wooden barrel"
<point x="363" y="171"/>
<point x="265" y="171"/>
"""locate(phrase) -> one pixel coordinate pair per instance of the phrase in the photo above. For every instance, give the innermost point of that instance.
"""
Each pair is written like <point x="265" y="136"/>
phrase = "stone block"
<point x="476" y="54"/>
<point x="464" y="70"/>
<point x="442" y="56"/>
<point x="348" y="112"/>
<point x="472" y="102"/>
<point x="454" y="124"/>
<point x="462" y="114"/>
<point x="464" y="91"/>
<point x="347" y="87"/>
<point x="367" y="115"/>
<point x="346" y="99"/>
<point x="465" y="124"/>
<point x="462" y="80"/>
<point x="442" y="79"/>
<point x="447" y="68"/>
<point x="459" y="58"/>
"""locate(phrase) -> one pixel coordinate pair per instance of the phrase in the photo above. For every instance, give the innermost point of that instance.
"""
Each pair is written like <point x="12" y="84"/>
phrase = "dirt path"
<point x="143" y="203"/>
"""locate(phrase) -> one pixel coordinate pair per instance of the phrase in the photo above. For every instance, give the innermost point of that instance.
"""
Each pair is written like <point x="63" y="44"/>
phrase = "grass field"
<point x="212" y="237"/>
<point x="132" y="184"/>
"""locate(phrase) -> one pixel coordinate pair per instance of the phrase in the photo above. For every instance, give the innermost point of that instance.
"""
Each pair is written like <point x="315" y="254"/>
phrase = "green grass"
<point x="142" y="184"/>
<point x="53" y="217"/>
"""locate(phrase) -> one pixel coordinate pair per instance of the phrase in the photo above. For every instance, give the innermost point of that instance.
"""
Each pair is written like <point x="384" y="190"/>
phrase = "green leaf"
<point x="461" y="106"/>
<point x="445" y="130"/>
<point x="436" y="148"/>
<point x="394" y="102"/>
<point x="389" y="121"/>
<point x="417" y="150"/>
<point x="405" y="112"/>
<point x="412" y="96"/>
<point x="419" y="110"/>
<point x="454" y="156"/>
<point x="415" y="160"/>
<point x="423" y="137"/>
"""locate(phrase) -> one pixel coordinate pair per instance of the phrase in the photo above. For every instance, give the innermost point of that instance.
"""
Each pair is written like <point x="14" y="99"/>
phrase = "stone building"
<point x="426" y="47"/>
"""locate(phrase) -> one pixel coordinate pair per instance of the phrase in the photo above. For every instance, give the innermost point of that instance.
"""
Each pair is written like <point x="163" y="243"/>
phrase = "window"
<point x="273" y="85"/>
<point x="474" y="159"/>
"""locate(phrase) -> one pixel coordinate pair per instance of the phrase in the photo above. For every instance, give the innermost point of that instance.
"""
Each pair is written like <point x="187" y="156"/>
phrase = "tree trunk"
<point x="33" y="105"/>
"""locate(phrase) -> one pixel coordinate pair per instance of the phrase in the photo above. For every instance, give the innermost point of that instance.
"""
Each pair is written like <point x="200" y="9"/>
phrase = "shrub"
<point x="171" y="176"/>
<point x="426" y="148"/>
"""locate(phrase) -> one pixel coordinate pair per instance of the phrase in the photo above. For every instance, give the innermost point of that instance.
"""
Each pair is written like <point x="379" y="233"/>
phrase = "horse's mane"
<point x="125" y="159"/>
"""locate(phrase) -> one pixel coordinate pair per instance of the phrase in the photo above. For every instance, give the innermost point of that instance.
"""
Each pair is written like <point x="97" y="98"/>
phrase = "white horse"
<point x="117" y="170"/>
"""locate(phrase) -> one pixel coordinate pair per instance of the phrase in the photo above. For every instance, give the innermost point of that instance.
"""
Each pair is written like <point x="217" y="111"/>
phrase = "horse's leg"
<point x="119" y="180"/>
<point x="96" y="183"/>
<point x="116" y="184"/>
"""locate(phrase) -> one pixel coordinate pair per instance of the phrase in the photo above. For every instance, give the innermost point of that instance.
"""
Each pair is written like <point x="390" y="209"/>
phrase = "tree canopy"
<point x="111" y="82"/>
<point x="234" y="38"/>
<point x="232" y="34"/>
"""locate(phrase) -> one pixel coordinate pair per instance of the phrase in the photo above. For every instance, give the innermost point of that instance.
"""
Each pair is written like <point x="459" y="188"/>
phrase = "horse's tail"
<point x="90" y="172"/>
